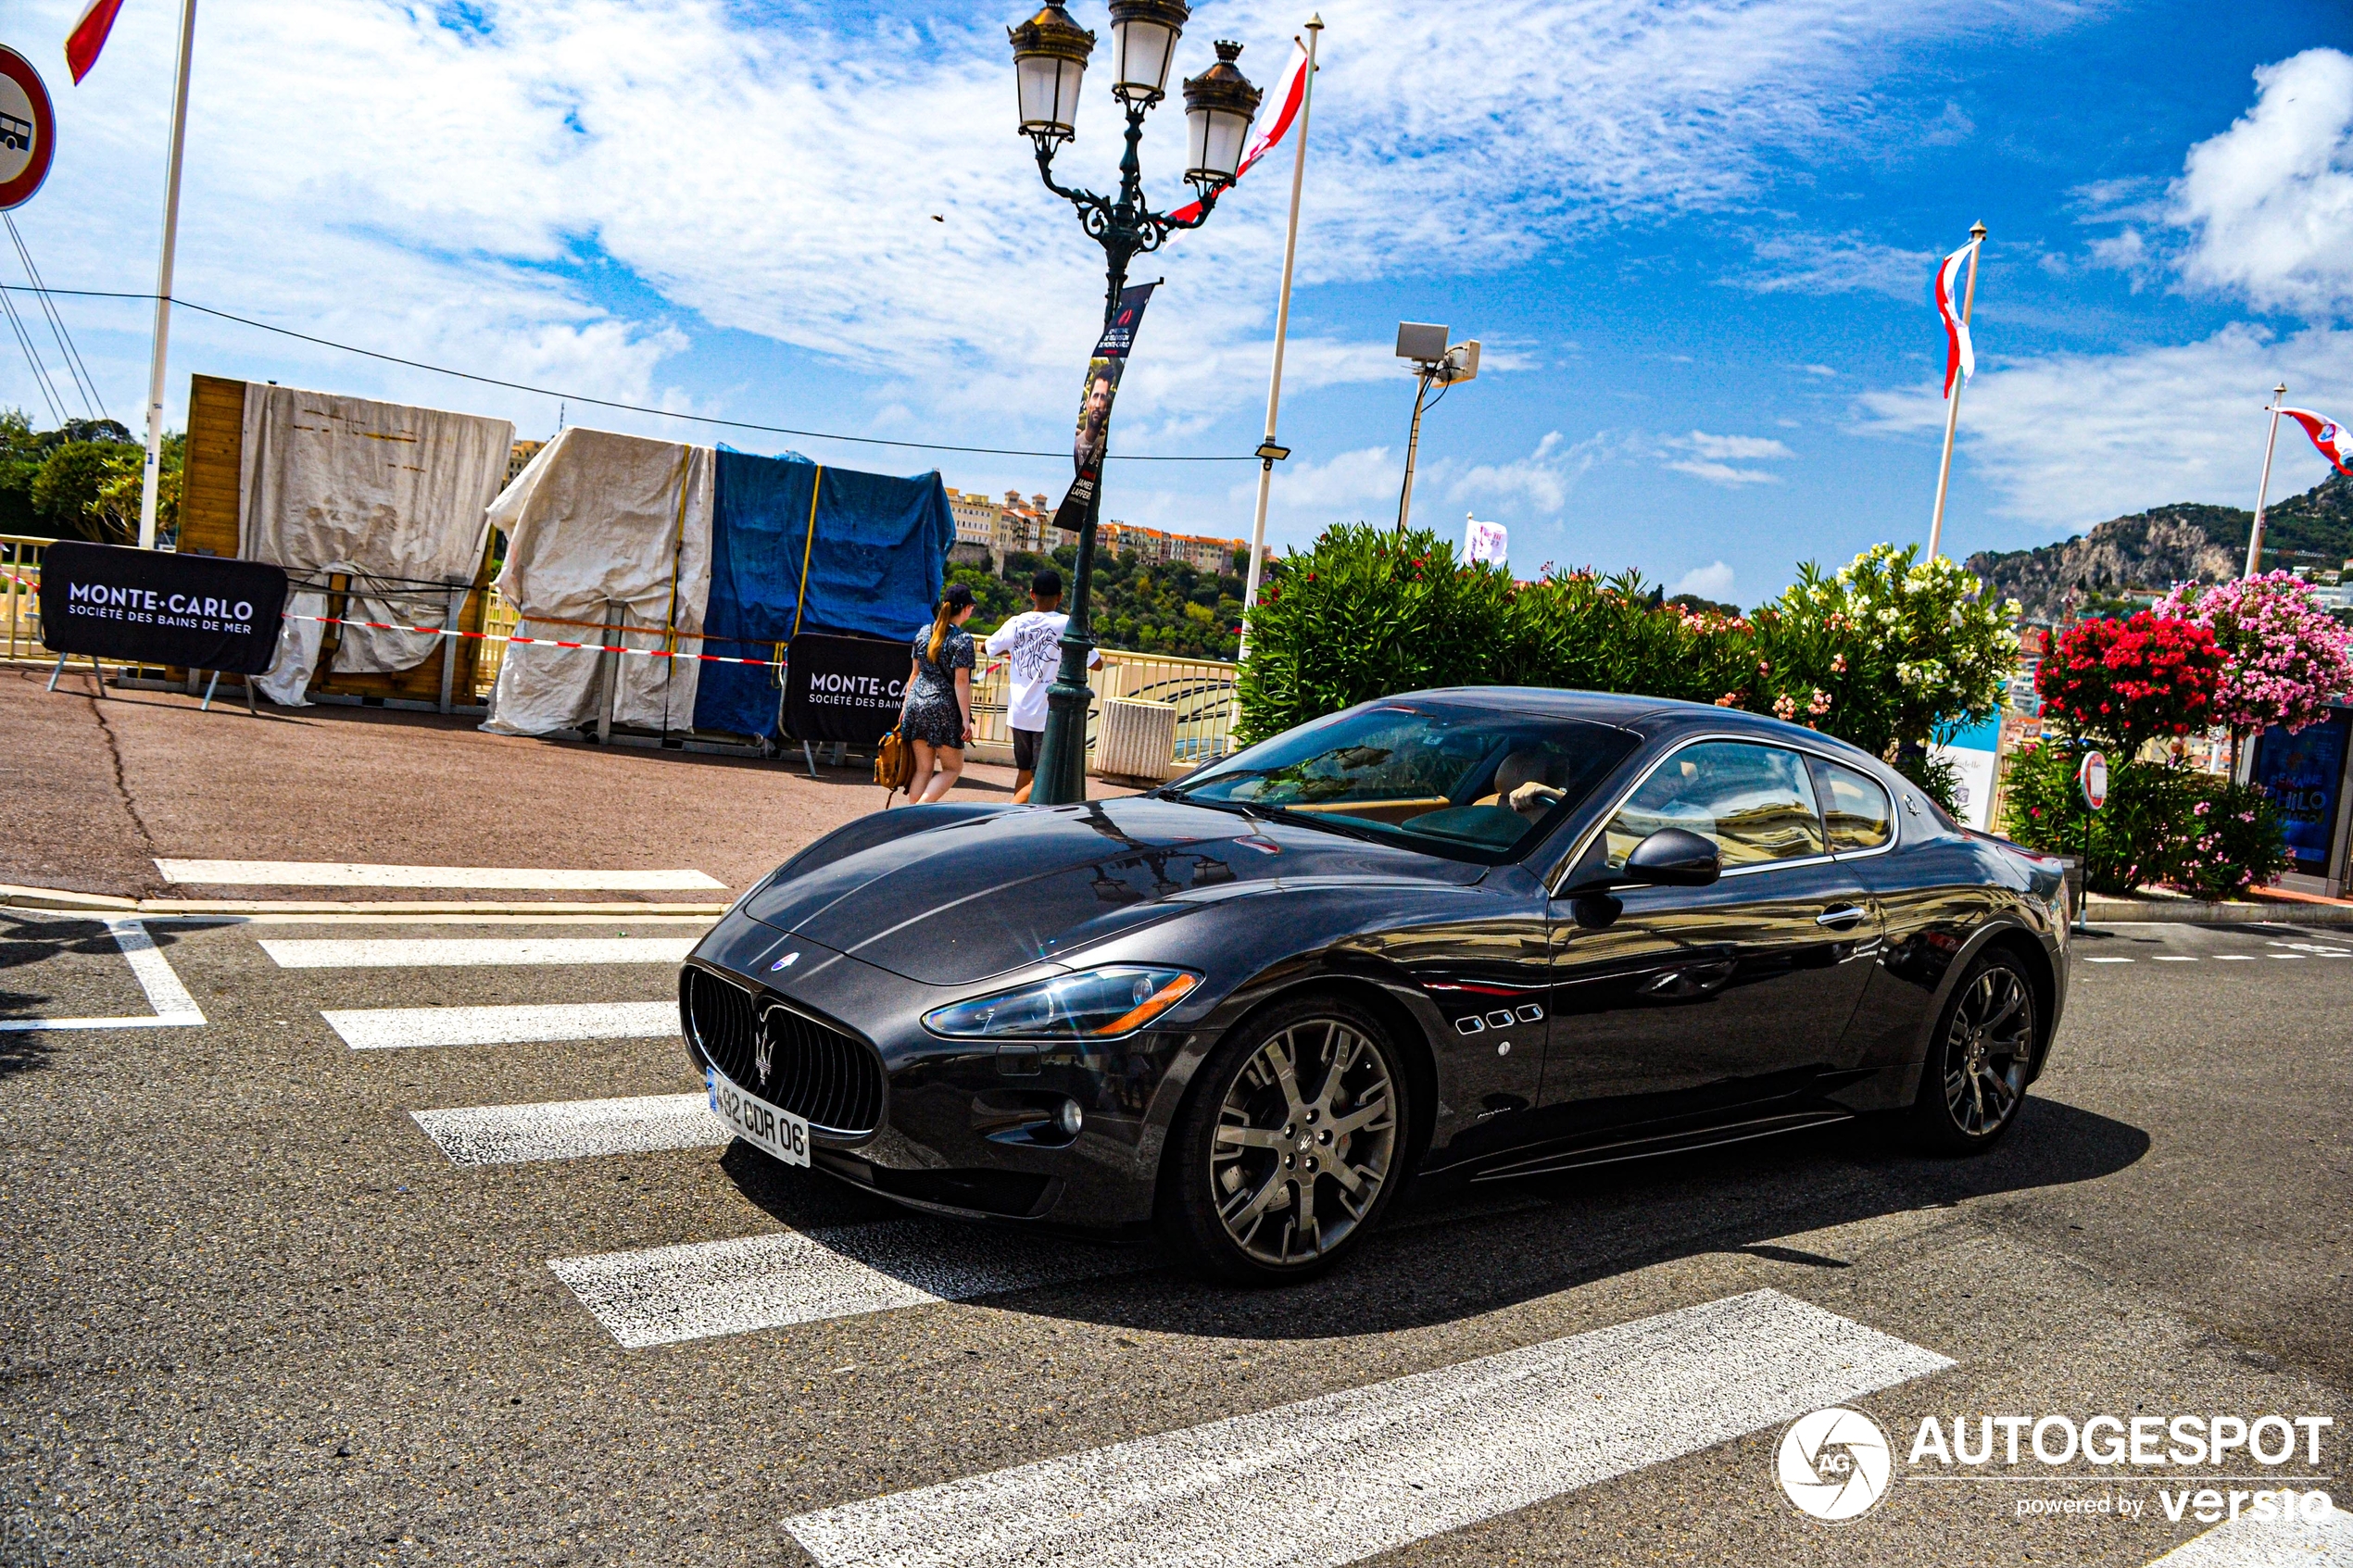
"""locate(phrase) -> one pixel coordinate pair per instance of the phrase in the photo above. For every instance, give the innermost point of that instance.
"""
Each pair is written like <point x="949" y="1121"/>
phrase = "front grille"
<point x="814" y="1069"/>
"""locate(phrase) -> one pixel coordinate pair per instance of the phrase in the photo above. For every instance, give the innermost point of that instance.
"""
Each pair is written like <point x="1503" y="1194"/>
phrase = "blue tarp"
<point x="875" y="565"/>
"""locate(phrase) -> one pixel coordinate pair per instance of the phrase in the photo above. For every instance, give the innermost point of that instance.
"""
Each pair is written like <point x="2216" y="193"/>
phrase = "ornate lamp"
<point x="1144" y="42"/>
<point x="1050" y="61"/>
<point x="1219" y="105"/>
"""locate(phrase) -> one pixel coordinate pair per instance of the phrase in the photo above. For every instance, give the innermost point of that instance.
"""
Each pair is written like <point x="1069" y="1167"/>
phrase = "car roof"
<point x="1650" y="716"/>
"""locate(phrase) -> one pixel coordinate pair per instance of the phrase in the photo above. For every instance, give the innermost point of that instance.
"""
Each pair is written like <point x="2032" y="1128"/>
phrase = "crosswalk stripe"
<point x="2247" y="1542"/>
<point x="2175" y="957"/>
<point x="697" y="1290"/>
<point x="514" y="1134"/>
<point x="437" y="953"/>
<point x="366" y="1029"/>
<point x="1344" y="1476"/>
<point x="2108" y="960"/>
<point x="173" y="1005"/>
<point x="352" y="873"/>
<point x="2234" y="957"/>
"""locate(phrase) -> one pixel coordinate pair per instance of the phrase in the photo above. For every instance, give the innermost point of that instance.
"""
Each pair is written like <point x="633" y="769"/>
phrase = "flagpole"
<point x="152" y="481"/>
<point x="1282" y="331"/>
<point x="2264" y="490"/>
<point x="1953" y="403"/>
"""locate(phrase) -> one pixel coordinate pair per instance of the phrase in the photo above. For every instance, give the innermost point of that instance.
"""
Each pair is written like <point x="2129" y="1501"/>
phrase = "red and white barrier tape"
<point x="538" y="642"/>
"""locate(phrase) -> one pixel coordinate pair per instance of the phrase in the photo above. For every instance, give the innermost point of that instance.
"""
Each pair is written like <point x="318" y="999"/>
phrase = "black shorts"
<point x="1025" y="744"/>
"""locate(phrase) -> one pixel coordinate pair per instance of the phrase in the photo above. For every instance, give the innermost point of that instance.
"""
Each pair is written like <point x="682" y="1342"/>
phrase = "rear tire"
<point x="1974" y="1079"/>
<point x="1290" y="1145"/>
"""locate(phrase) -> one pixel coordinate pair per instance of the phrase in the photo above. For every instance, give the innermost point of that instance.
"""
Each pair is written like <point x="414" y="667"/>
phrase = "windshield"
<point x="1472" y="783"/>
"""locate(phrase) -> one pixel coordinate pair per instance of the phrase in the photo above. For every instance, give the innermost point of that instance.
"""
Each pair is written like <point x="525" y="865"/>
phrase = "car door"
<point x="1676" y="1001"/>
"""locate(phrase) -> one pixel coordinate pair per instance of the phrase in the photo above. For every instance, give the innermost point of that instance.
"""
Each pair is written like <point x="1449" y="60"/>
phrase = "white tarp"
<point x="374" y="490"/>
<point x="603" y="526"/>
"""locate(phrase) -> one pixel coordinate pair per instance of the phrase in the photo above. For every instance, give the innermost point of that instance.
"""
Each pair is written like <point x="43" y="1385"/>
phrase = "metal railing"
<point x="1201" y="690"/>
<point x="20" y="596"/>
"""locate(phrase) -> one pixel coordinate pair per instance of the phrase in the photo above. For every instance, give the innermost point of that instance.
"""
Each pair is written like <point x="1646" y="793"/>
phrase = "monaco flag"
<point x="89" y="36"/>
<point x="2329" y="438"/>
<point x="1290" y="93"/>
<point x="1960" y="358"/>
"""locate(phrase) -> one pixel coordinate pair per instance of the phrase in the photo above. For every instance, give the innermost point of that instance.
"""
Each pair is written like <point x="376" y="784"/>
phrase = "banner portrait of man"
<point x="1094" y="413"/>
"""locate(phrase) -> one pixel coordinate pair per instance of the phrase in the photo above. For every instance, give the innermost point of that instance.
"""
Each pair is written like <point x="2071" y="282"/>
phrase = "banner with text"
<point x="844" y="688"/>
<point x="1094" y="405"/>
<point x="155" y="607"/>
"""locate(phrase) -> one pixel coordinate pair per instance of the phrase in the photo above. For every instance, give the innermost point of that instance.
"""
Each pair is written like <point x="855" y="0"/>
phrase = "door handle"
<point x="1840" y="918"/>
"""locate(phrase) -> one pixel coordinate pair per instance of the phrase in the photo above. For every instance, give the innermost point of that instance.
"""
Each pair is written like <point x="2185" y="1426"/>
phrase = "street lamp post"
<point x="1050" y="53"/>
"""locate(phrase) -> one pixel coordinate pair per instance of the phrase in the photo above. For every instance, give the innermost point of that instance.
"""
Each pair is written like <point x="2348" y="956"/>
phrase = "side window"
<point x="1858" y="813"/>
<point x="1754" y="802"/>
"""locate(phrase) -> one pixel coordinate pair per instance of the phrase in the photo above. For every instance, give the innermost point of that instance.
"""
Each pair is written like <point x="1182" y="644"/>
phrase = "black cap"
<point x="1046" y="584"/>
<point x="958" y="596"/>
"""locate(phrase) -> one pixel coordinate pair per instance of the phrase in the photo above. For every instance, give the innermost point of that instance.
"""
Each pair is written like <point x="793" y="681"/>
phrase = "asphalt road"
<point x="253" y="1311"/>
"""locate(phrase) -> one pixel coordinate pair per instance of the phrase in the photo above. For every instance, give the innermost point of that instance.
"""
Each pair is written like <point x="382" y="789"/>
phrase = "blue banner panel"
<point x="2303" y="774"/>
<point x="869" y="559"/>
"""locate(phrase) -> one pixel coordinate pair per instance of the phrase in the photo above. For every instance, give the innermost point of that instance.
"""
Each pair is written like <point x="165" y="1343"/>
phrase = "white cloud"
<point x="469" y="193"/>
<point x="1842" y="264"/>
<point x="2268" y="203"/>
<point x="2073" y="439"/>
<point x="1713" y="581"/>
<point x="1711" y="457"/>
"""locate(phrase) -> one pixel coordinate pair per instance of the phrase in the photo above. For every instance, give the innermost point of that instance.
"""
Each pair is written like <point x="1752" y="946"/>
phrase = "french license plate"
<point x="756" y="1121"/>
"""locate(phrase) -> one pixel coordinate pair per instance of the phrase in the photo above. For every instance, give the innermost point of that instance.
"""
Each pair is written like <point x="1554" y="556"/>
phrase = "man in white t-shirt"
<point x="1034" y="642"/>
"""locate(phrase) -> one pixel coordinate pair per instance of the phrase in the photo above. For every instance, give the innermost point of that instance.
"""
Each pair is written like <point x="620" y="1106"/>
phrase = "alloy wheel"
<point x="1986" y="1051"/>
<point x="1305" y="1141"/>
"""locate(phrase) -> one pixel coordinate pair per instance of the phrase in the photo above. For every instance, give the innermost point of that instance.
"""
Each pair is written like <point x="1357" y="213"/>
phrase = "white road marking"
<point x="2247" y="1543"/>
<point x="513" y="1134"/>
<point x="439" y="953"/>
<point x="664" y="1295"/>
<point x="2162" y="958"/>
<point x="366" y="1029"/>
<point x="2287" y="955"/>
<point x="1345" y="1476"/>
<point x="174" y="1008"/>
<point x="2108" y="960"/>
<point x="2234" y="957"/>
<point x="350" y="873"/>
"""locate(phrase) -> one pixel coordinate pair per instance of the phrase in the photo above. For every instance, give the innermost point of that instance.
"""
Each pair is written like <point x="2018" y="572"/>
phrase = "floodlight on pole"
<point x="1435" y="364"/>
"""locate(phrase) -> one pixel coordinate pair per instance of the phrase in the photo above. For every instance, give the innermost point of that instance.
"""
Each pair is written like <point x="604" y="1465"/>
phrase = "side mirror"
<point x="1674" y="858"/>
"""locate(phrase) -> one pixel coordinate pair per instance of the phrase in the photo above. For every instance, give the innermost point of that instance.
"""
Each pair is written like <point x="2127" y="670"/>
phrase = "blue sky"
<point x="1695" y="239"/>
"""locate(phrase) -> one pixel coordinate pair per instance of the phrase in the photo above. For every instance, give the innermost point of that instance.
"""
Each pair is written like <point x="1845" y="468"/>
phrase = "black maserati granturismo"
<point x="1476" y="933"/>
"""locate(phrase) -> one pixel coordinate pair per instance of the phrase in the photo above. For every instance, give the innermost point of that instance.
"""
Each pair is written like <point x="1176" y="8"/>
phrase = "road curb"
<point x="2187" y="911"/>
<point x="60" y="899"/>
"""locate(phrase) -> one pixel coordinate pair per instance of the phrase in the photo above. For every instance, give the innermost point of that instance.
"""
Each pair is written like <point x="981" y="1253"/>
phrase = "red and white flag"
<point x="1290" y="93"/>
<point x="2329" y="438"/>
<point x="1960" y="356"/>
<point x="89" y="36"/>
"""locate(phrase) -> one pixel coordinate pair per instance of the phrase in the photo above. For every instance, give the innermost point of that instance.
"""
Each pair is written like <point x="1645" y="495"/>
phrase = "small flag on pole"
<point x="1960" y="358"/>
<point x="89" y="36"/>
<point x="1291" y="91"/>
<point x="2329" y="438"/>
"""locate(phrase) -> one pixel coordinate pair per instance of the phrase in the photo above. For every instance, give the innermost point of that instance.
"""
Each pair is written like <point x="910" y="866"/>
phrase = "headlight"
<point x="1094" y="1004"/>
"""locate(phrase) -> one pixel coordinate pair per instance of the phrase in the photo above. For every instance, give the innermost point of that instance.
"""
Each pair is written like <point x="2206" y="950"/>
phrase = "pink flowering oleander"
<point x="2286" y="656"/>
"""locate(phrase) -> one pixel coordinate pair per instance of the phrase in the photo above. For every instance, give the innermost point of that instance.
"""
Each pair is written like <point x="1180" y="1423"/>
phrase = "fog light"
<point x="1069" y="1119"/>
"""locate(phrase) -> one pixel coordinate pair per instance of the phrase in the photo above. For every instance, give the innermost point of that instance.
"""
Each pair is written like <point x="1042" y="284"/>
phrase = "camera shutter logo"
<point x="1835" y="1463"/>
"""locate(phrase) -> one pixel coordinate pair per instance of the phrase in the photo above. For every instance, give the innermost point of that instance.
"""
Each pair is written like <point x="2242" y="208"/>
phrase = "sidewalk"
<point x="99" y="790"/>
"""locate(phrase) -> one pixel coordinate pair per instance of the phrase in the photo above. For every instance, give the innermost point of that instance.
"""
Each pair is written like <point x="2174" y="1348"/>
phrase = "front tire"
<point x="1289" y="1147"/>
<point x="1975" y="1077"/>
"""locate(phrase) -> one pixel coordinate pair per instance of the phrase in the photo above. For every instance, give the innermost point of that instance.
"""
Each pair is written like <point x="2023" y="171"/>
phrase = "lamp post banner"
<point x="199" y="612"/>
<point x="1103" y="370"/>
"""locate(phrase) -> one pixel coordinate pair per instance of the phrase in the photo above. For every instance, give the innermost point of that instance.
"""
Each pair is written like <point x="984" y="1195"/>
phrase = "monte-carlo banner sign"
<point x="155" y="606"/>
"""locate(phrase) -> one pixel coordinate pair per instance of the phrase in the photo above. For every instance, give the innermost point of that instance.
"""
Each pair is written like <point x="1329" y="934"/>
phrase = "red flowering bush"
<point x="2130" y="681"/>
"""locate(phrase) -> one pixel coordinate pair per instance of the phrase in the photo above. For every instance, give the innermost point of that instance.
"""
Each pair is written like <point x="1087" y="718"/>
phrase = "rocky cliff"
<point x="2186" y="543"/>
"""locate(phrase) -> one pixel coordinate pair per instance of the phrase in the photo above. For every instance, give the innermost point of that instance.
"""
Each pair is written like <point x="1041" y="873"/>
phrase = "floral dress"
<point x="932" y="716"/>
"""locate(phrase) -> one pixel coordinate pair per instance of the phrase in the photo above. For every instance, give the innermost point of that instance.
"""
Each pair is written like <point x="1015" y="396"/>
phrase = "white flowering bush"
<point x="1884" y="653"/>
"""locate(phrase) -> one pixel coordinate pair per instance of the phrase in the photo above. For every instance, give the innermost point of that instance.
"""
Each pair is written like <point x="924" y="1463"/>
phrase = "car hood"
<point x="970" y="899"/>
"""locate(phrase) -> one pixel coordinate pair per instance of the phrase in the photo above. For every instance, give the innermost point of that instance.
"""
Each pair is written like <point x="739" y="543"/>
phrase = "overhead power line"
<point x="83" y="381"/>
<point x="607" y="402"/>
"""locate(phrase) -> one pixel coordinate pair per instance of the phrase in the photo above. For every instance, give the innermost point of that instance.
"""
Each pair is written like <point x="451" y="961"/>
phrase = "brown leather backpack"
<point x="894" y="765"/>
